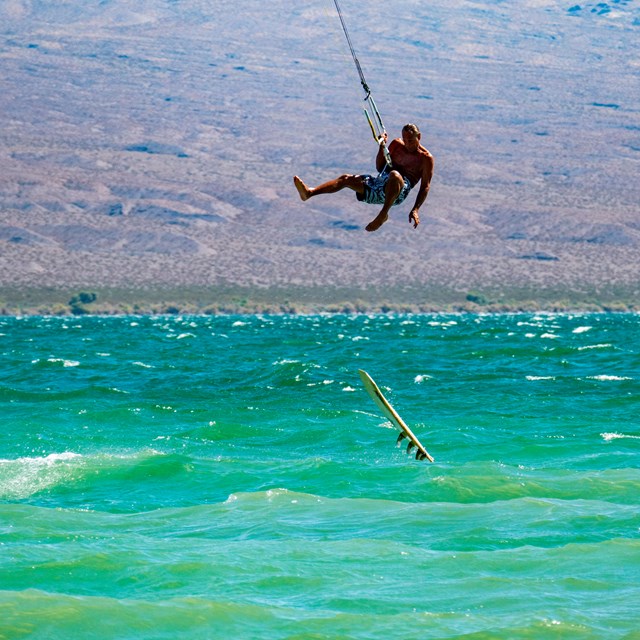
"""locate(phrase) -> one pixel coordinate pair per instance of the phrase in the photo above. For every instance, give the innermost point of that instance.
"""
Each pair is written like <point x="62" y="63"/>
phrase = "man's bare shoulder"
<point x="425" y="152"/>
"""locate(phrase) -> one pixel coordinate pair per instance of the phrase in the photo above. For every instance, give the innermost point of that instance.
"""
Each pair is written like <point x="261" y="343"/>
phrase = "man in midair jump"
<point x="411" y="164"/>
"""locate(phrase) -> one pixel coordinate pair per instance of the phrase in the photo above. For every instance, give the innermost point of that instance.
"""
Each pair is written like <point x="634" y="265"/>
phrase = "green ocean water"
<point x="229" y="477"/>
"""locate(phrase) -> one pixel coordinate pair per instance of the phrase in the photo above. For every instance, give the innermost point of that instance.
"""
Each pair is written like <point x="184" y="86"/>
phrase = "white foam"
<point x="615" y="436"/>
<point x="22" y="477"/>
<point x="606" y="378"/>
<point x="582" y="329"/>
<point x="275" y="493"/>
<point x="65" y="363"/>
<point x="594" y="346"/>
<point x="52" y="458"/>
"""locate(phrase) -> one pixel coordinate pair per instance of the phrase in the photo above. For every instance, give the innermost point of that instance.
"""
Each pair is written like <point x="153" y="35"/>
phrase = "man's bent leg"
<point x="345" y="181"/>
<point x="392" y="190"/>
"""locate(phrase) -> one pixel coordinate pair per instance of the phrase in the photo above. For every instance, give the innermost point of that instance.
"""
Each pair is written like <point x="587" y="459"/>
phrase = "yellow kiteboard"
<point x="390" y="413"/>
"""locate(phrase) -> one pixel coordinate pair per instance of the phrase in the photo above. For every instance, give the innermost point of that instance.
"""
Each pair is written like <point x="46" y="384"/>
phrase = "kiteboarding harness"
<point x="372" y="114"/>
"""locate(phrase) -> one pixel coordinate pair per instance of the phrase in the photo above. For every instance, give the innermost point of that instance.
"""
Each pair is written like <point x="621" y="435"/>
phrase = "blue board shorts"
<point x="374" y="189"/>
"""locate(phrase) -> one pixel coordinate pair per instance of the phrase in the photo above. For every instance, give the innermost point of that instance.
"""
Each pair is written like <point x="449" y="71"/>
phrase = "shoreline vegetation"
<point x="237" y="300"/>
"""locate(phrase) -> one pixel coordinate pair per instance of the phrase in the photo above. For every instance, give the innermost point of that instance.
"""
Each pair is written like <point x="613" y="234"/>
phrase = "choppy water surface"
<point x="215" y="477"/>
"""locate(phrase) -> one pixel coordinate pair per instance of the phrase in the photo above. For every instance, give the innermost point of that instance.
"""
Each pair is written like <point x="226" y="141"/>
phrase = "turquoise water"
<point x="219" y="477"/>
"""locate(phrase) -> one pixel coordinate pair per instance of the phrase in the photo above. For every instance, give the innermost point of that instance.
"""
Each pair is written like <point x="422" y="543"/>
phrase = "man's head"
<point x="411" y="136"/>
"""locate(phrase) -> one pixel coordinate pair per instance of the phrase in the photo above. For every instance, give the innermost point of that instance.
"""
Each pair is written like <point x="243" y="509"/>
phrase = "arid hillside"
<point x="147" y="153"/>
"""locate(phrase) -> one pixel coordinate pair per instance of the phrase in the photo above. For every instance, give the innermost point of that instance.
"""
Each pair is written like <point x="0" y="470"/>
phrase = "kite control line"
<point x="372" y="114"/>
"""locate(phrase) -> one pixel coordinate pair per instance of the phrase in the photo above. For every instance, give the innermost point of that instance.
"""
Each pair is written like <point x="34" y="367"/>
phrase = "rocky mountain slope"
<point x="151" y="146"/>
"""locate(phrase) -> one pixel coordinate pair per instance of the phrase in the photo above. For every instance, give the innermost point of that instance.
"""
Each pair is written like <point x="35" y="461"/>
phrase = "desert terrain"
<point x="147" y="153"/>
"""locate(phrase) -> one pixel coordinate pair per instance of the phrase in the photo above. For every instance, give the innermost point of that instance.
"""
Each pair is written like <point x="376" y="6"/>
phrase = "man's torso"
<point x="410" y="165"/>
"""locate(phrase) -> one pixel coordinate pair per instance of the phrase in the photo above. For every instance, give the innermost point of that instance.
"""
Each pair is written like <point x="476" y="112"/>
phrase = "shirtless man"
<point x="412" y="163"/>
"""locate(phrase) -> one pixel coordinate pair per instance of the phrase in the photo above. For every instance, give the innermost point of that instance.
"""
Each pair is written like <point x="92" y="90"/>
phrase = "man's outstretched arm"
<point x="423" y="192"/>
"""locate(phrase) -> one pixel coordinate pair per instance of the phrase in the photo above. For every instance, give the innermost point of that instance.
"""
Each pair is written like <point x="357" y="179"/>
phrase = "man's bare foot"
<point x="303" y="190"/>
<point x="377" y="222"/>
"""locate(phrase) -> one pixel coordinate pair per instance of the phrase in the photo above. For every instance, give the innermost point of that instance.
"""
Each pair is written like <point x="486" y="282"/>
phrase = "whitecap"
<point x="595" y="346"/>
<point x="23" y="477"/>
<point x="275" y="493"/>
<point x="549" y="336"/>
<point x="606" y="378"/>
<point x="615" y="436"/>
<point x="65" y="363"/>
<point x="52" y="458"/>
<point x="533" y="378"/>
<point x="582" y="329"/>
<point x="142" y="364"/>
<point x="315" y="384"/>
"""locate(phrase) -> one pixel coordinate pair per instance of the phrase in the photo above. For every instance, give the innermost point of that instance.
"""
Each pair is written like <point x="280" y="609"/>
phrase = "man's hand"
<point x="415" y="218"/>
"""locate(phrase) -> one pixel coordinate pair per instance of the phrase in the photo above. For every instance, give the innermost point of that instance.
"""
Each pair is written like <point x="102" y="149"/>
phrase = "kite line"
<point x="371" y="113"/>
